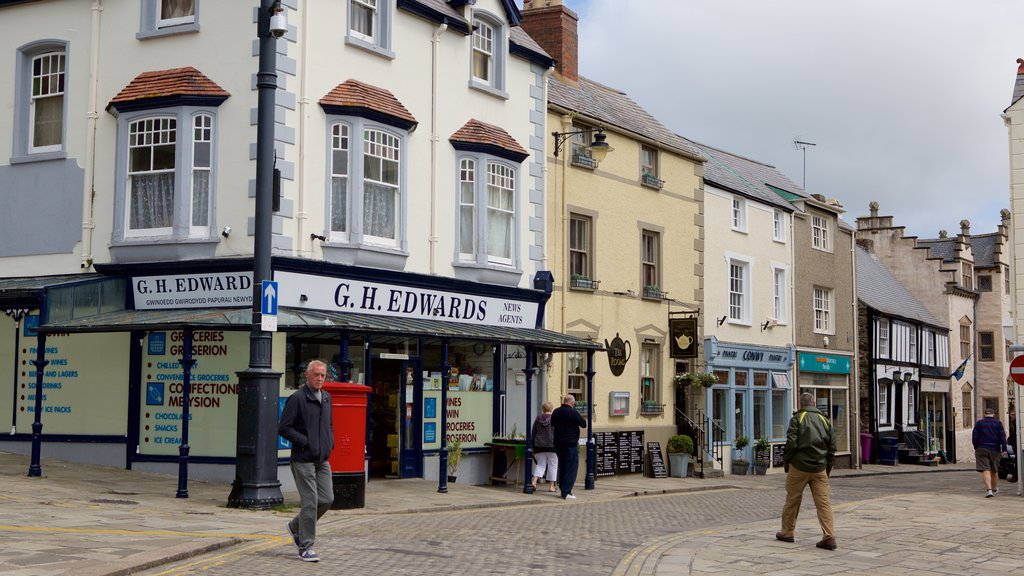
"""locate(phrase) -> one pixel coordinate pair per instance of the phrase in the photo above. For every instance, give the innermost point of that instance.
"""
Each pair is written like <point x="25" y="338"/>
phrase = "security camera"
<point x="226" y="231"/>
<point x="278" y="21"/>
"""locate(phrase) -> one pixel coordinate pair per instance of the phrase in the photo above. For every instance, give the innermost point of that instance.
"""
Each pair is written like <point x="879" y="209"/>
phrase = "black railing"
<point x="708" y="444"/>
<point x="717" y="439"/>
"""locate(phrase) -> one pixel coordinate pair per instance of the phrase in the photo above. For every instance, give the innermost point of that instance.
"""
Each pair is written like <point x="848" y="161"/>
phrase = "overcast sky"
<point x="902" y="98"/>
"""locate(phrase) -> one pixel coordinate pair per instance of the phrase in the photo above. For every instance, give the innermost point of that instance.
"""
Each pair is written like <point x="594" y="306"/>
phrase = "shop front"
<point x="445" y="360"/>
<point x="753" y="394"/>
<point x="934" y="399"/>
<point x="827" y="378"/>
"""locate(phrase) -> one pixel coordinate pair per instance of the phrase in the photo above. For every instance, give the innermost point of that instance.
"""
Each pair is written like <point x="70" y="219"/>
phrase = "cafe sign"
<point x="619" y="352"/>
<point x="683" y="341"/>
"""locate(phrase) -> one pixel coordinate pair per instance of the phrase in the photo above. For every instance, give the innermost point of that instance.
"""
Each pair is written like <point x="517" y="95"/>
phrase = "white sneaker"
<point x="570" y="497"/>
<point x="989" y="494"/>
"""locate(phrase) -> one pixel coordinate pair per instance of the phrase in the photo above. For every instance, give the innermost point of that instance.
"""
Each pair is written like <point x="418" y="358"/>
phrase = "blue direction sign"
<point x="268" y="300"/>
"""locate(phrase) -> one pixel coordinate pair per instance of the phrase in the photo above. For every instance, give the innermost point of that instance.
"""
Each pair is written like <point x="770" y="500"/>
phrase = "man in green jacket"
<point x="810" y="452"/>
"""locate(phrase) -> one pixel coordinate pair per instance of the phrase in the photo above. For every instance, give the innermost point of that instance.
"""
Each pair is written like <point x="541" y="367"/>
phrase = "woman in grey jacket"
<point x="543" y="439"/>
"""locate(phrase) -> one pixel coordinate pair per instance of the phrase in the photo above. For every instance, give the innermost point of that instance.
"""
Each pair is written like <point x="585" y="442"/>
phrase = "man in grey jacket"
<point x="306" y="423"/>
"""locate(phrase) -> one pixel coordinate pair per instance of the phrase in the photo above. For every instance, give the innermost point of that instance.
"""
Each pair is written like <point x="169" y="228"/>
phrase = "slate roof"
<point x="1018" y="85"/>
<point x="353" y="94"/>
<point x="944" y="248"/>
<point x="184" y="82"/>
<point x="611" y="107"/>
<point x="486" y="136"/>
<point x="747" y="177"/>
<point x="879" y="289"/>
<point x="521" y="43"/>
<point x="983" y="246"/>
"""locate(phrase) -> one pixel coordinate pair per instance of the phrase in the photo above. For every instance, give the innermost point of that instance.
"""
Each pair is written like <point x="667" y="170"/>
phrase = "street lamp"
<point x="256" y="485"/>
<point x="598" y="148"/>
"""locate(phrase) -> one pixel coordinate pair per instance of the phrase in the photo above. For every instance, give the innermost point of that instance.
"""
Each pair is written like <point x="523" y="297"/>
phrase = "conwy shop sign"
<point x="380" y="299"/>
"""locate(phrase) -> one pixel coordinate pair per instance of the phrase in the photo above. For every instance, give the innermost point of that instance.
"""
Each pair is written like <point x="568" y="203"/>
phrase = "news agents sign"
<point x="380" y="299"/>
<point x="215" y="290"/>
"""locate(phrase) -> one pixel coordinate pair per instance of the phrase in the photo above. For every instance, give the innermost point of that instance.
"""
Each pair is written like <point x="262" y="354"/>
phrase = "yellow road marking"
<point x="41" y="529"/>
<point x="219" y="559"/>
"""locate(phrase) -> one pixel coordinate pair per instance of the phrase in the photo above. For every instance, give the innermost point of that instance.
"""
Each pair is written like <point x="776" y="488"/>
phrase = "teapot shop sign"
<point x="683" y="343"/>
<point x="619" y="352"/>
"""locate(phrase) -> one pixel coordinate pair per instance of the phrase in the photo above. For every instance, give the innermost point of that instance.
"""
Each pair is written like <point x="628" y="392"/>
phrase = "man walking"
<point x="566" y="423"/>
<point x="989" y="440"/>
<point x="810" y="453"/>
<point x="306" y="423"/>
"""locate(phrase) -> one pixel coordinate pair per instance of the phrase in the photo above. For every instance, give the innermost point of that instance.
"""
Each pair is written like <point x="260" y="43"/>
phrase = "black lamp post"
<point x="256" y="485"/>
<point x="598" y="148"/>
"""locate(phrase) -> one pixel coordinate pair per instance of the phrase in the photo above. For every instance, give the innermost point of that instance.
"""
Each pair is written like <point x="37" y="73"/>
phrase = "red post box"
<point x="348" y="459"/>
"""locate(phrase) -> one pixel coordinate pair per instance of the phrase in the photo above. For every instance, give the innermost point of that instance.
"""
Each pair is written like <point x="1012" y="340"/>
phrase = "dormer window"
<point x="489" y="50"/>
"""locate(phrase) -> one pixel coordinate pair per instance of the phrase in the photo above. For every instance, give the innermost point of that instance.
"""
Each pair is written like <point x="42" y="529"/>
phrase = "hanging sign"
<point x="619" y="352"/>
<point x="683" y="341"/>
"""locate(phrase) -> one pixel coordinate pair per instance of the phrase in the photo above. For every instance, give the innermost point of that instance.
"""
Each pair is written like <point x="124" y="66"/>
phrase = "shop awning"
<point x="292" y="320"/>
<point x="15" y="291"/>
<point x="781" y="380"/>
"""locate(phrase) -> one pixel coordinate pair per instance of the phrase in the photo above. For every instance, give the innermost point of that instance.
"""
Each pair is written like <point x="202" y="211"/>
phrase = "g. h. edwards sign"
<point x="362" y="297"/>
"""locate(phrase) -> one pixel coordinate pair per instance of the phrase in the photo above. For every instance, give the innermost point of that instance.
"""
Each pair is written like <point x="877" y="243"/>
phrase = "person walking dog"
<point x="810" y="453"/>
<point x="306" y="423"/>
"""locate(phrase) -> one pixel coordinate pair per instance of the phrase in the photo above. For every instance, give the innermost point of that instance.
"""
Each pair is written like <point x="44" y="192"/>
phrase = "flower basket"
<point x="704" y="379"/>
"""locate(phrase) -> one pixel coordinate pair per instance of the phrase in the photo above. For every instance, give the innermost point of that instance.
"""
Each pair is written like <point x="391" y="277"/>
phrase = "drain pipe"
<point x="435" y="41"/>
<point x="91" y="121"/>
<point x="300" y="173"/>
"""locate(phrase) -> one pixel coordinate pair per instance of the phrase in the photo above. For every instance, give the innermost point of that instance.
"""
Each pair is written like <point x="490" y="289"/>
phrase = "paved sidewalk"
<point x="94" y="520"/>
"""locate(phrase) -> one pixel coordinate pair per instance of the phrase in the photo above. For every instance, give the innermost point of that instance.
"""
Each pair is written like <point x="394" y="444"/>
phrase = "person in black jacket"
<point x="306" y="423"/>
<point x="566" y="422"/>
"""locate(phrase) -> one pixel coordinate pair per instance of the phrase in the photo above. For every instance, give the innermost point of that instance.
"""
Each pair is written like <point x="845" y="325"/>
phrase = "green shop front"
<point x="827" y="377"/>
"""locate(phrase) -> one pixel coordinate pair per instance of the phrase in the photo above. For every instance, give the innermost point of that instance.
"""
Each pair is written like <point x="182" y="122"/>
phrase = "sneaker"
<point x="570" y="497"/>
<point x="784" y="538"/>
<point x="308" y="555"/>
<point x="294" y="534"/>
<point x="827" y="544"/>
<point x="989" y="494"/>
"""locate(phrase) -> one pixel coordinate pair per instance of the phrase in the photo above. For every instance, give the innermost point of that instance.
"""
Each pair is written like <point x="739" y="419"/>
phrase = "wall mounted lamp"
<point x="599" y="148"/>
<point x="721" y="320"/>
<point x="315" y="236"/>
<point x="226" y="231"/>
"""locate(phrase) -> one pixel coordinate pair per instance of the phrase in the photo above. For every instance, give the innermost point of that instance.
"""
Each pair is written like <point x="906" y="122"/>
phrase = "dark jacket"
<point x="543" y="436"/>
<point x="566" y="422"/>
<point x="307" y="424"/>
<point x="810" y="442"/>
<point x="989" y="433"/>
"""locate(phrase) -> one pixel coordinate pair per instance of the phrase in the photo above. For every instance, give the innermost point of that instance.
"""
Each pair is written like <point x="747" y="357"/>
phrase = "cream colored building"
<point x="624" y="239"/>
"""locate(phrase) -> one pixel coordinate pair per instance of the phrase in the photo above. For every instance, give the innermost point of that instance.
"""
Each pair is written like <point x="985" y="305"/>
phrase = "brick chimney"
<point x="553" y="26"/>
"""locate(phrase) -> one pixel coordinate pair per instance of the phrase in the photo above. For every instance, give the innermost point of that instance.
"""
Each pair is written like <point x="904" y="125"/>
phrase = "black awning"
<point x="29" y="291"/>
<point x="292" y="320"/>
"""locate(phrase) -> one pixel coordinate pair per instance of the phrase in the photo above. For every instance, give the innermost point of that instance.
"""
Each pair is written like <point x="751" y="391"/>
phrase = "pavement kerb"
<point x="153" y="558"/>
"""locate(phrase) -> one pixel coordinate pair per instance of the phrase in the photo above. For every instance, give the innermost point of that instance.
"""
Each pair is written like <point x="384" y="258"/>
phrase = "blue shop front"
<point x="753" y="397"/>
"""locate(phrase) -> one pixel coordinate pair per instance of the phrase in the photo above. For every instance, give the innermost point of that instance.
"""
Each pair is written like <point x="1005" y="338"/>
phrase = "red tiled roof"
<point x="481" y="133"/>
<point x="169" y="83"/>
<point x="359" y="95"/>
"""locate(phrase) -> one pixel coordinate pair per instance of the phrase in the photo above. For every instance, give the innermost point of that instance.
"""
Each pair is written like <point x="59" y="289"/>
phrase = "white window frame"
<point x="739" y="214"/>
<point x="778" y="225"/>
<point x="153" y="23"/>
<point x="912" y="342"/>
<point x="339" y="164"/>
<point x="823" y="306"/>
<point x="23" y="149"/>
<point x="576" y="377"/>
<point x="185" y="174"/>
<point x="884" y="415"/>
<point x="582" y="233"/>
<point x="391" y="148"/>
<point x="650" y="362"/>
<point x="481" y="174"/>
<point x="780" y="291"/>
<point x="495" y="48"/>
<point x="650" y="259"/>
<point x="884" y="347"/>
<point x="379" y="39"/>
<point x="820" y="238"/>
<point x="44" y="81"/>
<point x="739" y="288"/>
<point x="929" y="349"/>
<point x="201" y="163"/>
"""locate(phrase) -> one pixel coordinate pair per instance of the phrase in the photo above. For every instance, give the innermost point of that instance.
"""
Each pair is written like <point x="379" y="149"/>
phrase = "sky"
<point x="902" y="99"/>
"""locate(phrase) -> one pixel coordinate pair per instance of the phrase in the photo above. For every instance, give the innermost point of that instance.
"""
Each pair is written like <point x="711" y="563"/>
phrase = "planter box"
<point x="679" y="464"/>
<point x="740" y="467"/>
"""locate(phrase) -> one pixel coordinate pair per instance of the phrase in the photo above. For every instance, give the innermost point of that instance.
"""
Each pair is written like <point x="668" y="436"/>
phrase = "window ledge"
<point x="654" y="294"/>
<point x="160" y="249"/>
<point x="369" y="47"/>
<point x="488" y="273"/>
<point x="651" y="181"/>
<point x="169" y="31"/>
<point x="584" y="284"/>
<point x="364" y="255"/>
<point x="488" y="89"/>
<point x="40" y="157"/>
<point x="582" y="161"/>
<point x="652" y="409"/>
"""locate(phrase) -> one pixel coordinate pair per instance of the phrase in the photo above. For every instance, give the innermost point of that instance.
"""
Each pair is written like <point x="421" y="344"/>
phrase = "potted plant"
<point x="704" y="379"/>
<point x="762" y="454"/>
<point x="454" y="456"/>
<point x="739" y="461"/>
<point x="679" y="448"/>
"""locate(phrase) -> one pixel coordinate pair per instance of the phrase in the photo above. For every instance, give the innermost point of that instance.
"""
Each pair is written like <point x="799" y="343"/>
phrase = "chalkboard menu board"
<point x="620" y="451"/>
<point x="777" y="451"/>
<point x="656" y="463"/>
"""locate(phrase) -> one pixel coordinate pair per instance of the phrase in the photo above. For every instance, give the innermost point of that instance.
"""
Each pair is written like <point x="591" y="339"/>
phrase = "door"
<point x="386" y="378"/>
<point x="411" y="465"/>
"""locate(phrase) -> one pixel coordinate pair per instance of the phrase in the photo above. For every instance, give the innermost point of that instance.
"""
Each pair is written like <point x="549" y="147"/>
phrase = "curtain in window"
<point x="467" y="207"/>
<point x="201" y="198"/>
<point x="361" y="17"/>
<point x="339" y="204"/>
<point x="378" y="210"/>
<point x="152" y="201"/>
<point x="177" y="8"/>
<point x="499" y="223"/>
<point x="49" y="120"/>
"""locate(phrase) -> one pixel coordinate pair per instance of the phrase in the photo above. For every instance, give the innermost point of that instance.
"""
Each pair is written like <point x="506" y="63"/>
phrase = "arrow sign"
<point x="268" y="306"/>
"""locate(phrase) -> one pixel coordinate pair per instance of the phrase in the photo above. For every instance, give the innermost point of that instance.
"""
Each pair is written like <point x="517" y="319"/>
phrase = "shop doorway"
<point x="395" y="423"/>
<point x="934" y="411"/>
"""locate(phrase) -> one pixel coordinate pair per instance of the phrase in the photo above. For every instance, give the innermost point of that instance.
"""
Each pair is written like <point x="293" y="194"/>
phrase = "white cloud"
<point x="903" y="99"/>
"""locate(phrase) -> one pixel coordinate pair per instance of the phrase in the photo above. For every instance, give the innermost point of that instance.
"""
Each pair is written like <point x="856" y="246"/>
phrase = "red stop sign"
<point x="1017" y="369"/>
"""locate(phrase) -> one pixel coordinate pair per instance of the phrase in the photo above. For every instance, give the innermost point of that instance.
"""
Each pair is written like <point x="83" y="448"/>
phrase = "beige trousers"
<point x="796" y="480"/>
